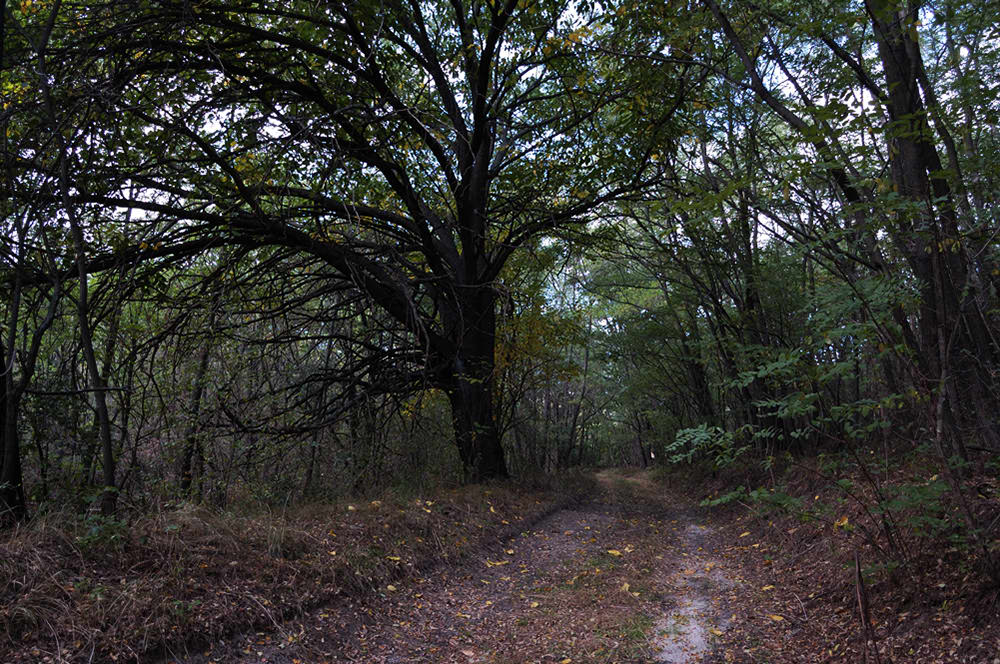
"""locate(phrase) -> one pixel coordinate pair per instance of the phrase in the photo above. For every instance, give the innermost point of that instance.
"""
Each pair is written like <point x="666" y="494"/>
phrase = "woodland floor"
<point x="622" y="578"/>
<point x="626" y="569"/>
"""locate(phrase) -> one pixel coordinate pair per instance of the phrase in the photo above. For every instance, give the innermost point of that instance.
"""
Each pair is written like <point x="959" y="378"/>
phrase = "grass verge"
<point x="90" y="589"/>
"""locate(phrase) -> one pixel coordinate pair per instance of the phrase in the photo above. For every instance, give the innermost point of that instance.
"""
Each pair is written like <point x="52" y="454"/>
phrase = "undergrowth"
<point x="91" y="588"/>
<point x="804" y="524"/>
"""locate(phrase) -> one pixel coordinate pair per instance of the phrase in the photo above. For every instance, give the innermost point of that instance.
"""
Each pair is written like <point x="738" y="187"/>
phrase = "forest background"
<point x="262" y="255"/>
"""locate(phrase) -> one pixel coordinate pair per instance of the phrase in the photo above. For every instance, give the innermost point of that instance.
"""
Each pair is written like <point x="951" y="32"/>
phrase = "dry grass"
<point x="78" y="589"/>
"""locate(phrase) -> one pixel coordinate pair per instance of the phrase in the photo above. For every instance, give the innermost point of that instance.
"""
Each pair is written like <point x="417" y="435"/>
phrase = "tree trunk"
<point x="470" y="388"/>
<point x="13" y="506"/>
<point x="191" y="461"/>
<point x="953" y="338"/>
<point x="475" y="430"/>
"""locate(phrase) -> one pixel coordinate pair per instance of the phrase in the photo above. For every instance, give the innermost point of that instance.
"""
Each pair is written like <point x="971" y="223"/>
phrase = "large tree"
<point x="411" y="147"/>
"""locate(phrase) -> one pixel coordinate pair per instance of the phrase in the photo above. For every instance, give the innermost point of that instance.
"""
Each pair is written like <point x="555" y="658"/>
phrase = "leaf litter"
<point x="590" y="583"/>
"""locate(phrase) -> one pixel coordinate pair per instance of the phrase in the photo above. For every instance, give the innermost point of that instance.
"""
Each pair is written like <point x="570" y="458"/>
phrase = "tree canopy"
<point x="262" y="246"/>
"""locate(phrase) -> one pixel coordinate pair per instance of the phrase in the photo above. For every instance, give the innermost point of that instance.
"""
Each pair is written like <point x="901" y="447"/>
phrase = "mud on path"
<point x="629" y="576"/>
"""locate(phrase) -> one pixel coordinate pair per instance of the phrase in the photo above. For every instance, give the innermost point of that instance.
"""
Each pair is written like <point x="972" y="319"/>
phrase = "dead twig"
<point x="864" y="613"/>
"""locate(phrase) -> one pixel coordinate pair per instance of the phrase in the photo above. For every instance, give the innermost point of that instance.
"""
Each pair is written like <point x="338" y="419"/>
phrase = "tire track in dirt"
<point x="688" y="631"/>
<point x="624" y="578"/>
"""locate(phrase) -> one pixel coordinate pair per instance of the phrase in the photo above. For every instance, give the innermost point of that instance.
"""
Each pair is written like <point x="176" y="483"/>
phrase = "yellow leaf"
<point x="768" y="588"/>
<point x="614" y="552"/>
<point x="497" y="563"/>
<point x="775" y="618"/>
<point x="351" y="508"/>
<point x="394" y="558"/>
<point x="509" y="552"/>
<point x="534" y="605"/>
<point x="715" y="631"/>
<point x="391" y="589"/>
<point x="625" y="586"/>
<point x="744" y="534"/>
<point x="841" y="522"/>
<point x="565" y="661"/>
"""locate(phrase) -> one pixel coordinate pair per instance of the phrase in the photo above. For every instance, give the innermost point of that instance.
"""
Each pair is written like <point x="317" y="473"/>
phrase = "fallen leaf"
<point x="768" y="588"/>
<point x="745" y="533"/>
<point x="534" y="605"/>
<point x="391" y="589"/>
<point x="775" y="618"/>
<point x="715" y="631"/>
<point x="614" y="552"/>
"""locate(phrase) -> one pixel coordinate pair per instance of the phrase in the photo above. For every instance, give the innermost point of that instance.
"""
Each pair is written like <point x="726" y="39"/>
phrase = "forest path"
<point x="628" y="576"/>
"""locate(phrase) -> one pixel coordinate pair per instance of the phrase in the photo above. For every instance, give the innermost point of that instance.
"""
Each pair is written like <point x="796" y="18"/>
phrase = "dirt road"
<point x="623" y="577"/>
